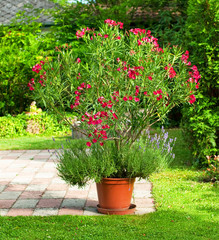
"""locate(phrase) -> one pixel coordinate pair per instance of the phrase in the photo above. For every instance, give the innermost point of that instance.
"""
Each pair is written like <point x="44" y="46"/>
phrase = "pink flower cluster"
<point x="194" y="76"/>
<point x="132" y="72"/>
<point x="171" y="71"/>
<point x="158" y="92"/>
<point x="139" y="31"/>
<point x="30" y="84"/>
<point x="113" y="23"/>
<point x="192" y="99"/>
<point x="98" y="119"/>
<point x="108" y="104"/>
<point x="185" y="57"/>
<point x="81" y="33"/>
<point x="80" y="90"/>
<point x="37" y="68"/>
<point x="147" y="39"/>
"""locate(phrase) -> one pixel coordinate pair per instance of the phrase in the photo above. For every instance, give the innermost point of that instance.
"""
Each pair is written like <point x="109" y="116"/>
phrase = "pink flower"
<point x="71" y="106"/>
<point x="78" y="60"/>
<point x="88" y="86"/>
<point x="106" y="36"/>
<point x="114" y="115"/>
<point x="94" y="140"/>
<point x="88" y="144"/>
<point x="119" y="69"/>
<point x="159" y="91"/>
<point x="145" y="93"/>
<point x="118" y="37"/>
<point x="125" y="99"/>
<point x="139" y="43"/>
<point x="130" y="98"/>
<point x="137" y="99"/>
<point x="150" y="78"/>
<point x="192" y="99"/>
<point x="101" y="143"/>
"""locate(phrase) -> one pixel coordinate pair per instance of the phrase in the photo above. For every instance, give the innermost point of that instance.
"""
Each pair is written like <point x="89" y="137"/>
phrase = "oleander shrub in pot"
<point x="125" y="84"/>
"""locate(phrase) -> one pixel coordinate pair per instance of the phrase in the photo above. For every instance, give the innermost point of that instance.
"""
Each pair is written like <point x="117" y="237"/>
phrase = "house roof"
<point x="9" y="8"/>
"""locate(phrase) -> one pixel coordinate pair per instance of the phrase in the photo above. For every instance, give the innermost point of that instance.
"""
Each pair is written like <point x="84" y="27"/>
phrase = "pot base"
<point x="122" y="211"/>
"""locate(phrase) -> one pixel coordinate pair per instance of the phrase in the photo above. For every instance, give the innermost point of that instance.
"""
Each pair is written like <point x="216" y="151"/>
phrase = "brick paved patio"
<point x="29" y="186"/>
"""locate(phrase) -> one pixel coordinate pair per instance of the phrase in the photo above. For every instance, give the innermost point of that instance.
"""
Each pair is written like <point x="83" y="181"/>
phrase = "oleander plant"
<point x="123" y="85"/>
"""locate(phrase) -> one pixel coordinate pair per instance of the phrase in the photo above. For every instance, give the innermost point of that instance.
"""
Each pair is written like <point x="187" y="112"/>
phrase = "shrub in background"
<point x="27" y="125"/>
<point x="21" y="46"/>
<point x="201" y="121"/>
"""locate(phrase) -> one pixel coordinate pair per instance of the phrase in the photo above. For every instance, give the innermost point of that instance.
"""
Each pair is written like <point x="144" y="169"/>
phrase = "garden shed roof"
<point x="9" y="8"/>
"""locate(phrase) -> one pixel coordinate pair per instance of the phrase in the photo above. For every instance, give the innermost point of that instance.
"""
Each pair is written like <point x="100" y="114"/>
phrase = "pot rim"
<point x="118" y="179"/>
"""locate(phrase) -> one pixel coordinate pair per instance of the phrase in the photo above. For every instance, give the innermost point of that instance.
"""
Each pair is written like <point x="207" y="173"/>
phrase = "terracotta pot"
<point x="115" y="193"/>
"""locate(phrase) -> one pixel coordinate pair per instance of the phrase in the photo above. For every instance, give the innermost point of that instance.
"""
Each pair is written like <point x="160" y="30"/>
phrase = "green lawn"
<point x="35" y="142"/>
<point x="187" y="208"/>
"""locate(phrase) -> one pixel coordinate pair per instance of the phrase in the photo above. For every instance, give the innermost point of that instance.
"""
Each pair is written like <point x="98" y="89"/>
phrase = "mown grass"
<point x="187" y="208"/>
<point x="35" y="142"/>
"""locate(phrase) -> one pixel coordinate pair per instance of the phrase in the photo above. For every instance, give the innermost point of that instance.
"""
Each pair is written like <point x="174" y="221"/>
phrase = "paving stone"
<point x="35" y="164"/>
<point x="76" y="194"/>
<point x="73" y="203"/>
<point x="144" y="202"/>
<point x="18" y="151"/>
<point x="141" y="211"/>
<point x="70" y="211"/>
<point x="36" y="187"/>
<point x="20" y="212"/>
<point x="91" y="203"/>
<point x="142" y="194"/>
<point x="25" y="203"/>
<point x="33" y="151"/>
<point x="8" y="157"/>
<point x="54" y="194"/>
<point x="22" y="180"/>
<point x="6" y="203"/>
<point x="3" y="212"/>
<point x="49" y="165"/>
<point x="57" y="180"/>
<point x="8" y="174"/>
<point x="49" y="203"/>
<point x="57" y="187"/>
<point x="13" y="166"/>
<point x="40" y="181"/>
<point x="45" y="211"/>
<point x="142" y="187"/>
<point x="15" y="155"/>
<point x="2" y="187"/>
<point x="17" y="187"/>
<point x="79" y="189"/>
<point x="91" y="211"/>
<point x="44" y="175"/>
<point x="9" y="195"/>
<point x="5" y="152"/>
<point x="28" y="170"/>
<point x="31" y="195"/>
<point x="92" y="195"/>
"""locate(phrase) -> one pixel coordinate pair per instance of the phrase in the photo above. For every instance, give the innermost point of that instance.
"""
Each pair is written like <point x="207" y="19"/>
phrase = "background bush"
<point x="43" y="124"/>
<point x="201" y="121"/>
<point x="21" y="46"/>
